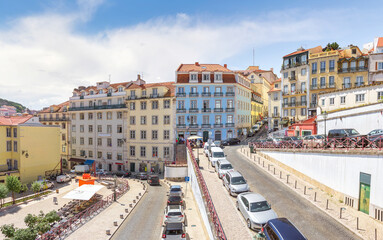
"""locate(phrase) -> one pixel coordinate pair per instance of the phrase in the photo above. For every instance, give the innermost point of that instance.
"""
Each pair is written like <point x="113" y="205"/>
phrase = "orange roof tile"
<point x="202" y="68"/>
<point x="169" y="85"/>
<point x="14" y="120"/>
<point x="314" y="50"/>
<point x="380" y="42"/>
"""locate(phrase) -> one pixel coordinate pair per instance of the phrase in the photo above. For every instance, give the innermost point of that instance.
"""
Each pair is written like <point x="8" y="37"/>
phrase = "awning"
<point x="283" y="122"/>
<point x="194" y="137"/>
<point x="118" y="163"/>
<point x="88" y="162"/>
<point x="85" y="192"/>
<point x="77" y="160"/>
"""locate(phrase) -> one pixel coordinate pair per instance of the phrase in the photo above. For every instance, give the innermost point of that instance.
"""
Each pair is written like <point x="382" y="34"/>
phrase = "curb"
<point x="323" y="210"/>
<point x="134" y="206"/>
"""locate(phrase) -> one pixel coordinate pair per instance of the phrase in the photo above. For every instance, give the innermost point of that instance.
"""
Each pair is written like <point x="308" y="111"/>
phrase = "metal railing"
<point x="229" y="124"/>
<point x="206" y="109"/>
<point x="229" y="109"/>
<point x="218" y="109"/>
<point x="180" y="94"/>
<point x="218" y="94"/>
<point x="213" y="216"/>
<point x="206" y="94"/>
<point x="193" y="110"/>
<point x="181" y="110"/>
<point x="230" y="94"/>
<point x="193" y="94"/>
<point x="112" y="106"/>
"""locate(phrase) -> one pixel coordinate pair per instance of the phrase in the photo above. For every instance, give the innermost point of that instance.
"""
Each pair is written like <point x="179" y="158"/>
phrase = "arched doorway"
<point x="217" y="136"/>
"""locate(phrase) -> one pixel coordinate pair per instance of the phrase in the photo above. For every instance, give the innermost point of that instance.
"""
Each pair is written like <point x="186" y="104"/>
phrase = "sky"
<point x="50" y="47"/>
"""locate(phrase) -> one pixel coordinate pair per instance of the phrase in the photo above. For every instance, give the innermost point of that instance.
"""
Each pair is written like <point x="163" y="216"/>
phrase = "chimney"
<point x="197" y="63"/>
<point x="138" y="77"/>
<point x="272" y="69"/>
<point x="225" y="65"/>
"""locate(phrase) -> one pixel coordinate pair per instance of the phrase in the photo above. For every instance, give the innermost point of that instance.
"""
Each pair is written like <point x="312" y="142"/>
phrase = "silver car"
<point x="174" y="213"/>
<point x="255" y="209"/>
<point x="223" y="166"/>
<point x="235" y="183"/>
<point x="176" y="190"/>
<point x="173" y="231"/>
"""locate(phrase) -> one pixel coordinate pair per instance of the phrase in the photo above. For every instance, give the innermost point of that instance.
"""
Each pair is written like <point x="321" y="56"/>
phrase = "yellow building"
<point x="29" y="149"/>
<point x="150" y="128"/>
<point x="58" y="115"/>
<point x="275" y="118"/>
<point x="257" y="109"/>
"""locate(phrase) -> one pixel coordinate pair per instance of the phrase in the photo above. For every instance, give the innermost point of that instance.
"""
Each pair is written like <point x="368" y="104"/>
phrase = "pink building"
<point x="7" y="111"/>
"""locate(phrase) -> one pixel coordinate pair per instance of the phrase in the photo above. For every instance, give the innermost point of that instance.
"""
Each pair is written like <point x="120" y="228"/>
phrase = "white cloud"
<point x="43" y="56"/>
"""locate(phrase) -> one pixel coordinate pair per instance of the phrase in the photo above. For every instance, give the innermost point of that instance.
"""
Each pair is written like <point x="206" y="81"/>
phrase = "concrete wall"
<point x="175" y="172"/>
<point x="338" y="171"/>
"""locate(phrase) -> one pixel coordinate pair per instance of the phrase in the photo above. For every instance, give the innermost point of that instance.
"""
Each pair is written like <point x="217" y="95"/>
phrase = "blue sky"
<point x="50" y="47"/>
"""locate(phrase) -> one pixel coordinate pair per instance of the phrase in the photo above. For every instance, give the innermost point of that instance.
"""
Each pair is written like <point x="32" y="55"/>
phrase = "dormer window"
<point x="218" y="77"/>
<point x="155" y="91"/>
<point x="193" y="77"/>
<point x="132" y="93"/>
<point x="120" y="89"/>
<point x="101" y="91"/>
<point x="143" y="92"/>
<point x="206" y="77"/>
<point x="91" y="92"/>
<point x="83" y="94"/>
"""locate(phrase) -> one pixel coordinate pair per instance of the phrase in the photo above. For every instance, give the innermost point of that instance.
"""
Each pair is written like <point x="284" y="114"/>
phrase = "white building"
<point x="375" y="60"/>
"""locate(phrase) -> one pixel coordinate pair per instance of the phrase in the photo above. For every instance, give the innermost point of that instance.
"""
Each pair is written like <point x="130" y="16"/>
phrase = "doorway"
<point x="217" y="136"/>
<point x="205" y="136"/>
<point x="132" y="167"/>
<point x="364" y="192"/>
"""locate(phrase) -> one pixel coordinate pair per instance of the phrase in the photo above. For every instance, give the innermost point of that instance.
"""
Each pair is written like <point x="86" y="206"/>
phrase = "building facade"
<point x="275" y="106"/>
<point x="151" y="124"/>
<point x="375" y="61"/>
<point x="22" y="153"/>
<point x="8" y="110"/>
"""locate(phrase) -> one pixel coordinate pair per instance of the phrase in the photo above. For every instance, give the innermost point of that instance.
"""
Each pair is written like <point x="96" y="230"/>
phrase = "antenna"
<point x="253" y="56"/>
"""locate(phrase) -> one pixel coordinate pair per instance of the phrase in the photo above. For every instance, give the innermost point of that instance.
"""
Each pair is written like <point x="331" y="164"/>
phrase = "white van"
<point x="216" y="153"/>
<point x="222" y="167"/>
<point x="206" y="148"/>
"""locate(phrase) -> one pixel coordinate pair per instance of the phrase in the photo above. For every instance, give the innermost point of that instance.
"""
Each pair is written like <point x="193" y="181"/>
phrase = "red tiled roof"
<point x="56" y="108"/>
<point x="314" y="50"/>
<point x="380" y="42"/>
<point x="202" y="68"/>
<point x="226" y="78"/>
<point x="14" y="120"/>
<point x="169" y="85"/>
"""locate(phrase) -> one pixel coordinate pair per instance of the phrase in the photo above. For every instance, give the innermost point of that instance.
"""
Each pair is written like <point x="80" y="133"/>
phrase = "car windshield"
<point x="175" y="198"/>
<point x="319" y="137"/>
<point x="238" y="180"/>
<point x="175" y="189"/>
<point x="226" y="166"/>
<point x="218" y="154"/>
<point x="174" y="214"/>
<point x="259" y="206"/>
<point x="294" y="138"/>
<point x="351" y="132"/>
<point x="173" y="232"/>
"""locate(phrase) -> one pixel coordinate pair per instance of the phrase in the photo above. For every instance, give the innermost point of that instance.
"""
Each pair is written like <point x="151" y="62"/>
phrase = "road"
<point x="311" y="221"/>
<point x="145" y="221"/>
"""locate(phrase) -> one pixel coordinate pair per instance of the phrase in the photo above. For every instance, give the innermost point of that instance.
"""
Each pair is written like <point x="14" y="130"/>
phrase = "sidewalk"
<point x="368" y="226"/>
<point x="97" y="226"/>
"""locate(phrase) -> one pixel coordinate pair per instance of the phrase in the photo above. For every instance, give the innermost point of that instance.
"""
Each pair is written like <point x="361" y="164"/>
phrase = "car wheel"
<point x="231" y="193"/>
<point x="248" y="223"/>
<point x="237" y="205"/>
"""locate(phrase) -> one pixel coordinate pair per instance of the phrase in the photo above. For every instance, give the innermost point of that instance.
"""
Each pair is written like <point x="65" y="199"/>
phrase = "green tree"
<point x="14" y="186"/>
<point x="3" y="193"/>
<point x="25" y="234"/>
<point x="24" y="188"/>
<point x="8" y="230"/>
<point x="36" y="186"/>
<point x="331" y="46"/>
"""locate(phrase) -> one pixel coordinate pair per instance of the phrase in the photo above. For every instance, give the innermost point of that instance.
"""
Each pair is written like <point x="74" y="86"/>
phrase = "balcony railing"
<point x="193" y="126"/>
<point x="206" y="94"/>
<point x="113" y="106"/>
<point x="132" y="97"/>
<point x="218" y="125"/>
<point x="229" y="124"/>
<point x="181" y="125"/>
<point x="156" y="95"/>
<point x="362" y="69"/>
<point x="205" y="110"/>
<point x="314" y="71"/>
<point x="285" y="104"/>
<point x="206" y="125"/>
<point x="193" y="94"/>
<point x="331" y="69"/>
<point x="313" y="87"/>
<point x="302" y="103"/>
<point x="331" y="85"/>
<point x="230" y="94"/>
<point x="275" y="115"/>
<point x="292" y="78"/>
<point x="323" y="86"/>
<point x="218" y="94"/>
<point x="180" y="94"/>
<point x="322" y="70"/>
<point x="229" y="109"/>
<point x="193" y="110"/>
<point x="313" y="105"/>
<point x="346" y="85"/>
<point x="181" y="110"/>
<point x="53" y="119"/>
<point x="359" y="84"/>
<point x="218" y="109"/>
<point x="294" y="92"/>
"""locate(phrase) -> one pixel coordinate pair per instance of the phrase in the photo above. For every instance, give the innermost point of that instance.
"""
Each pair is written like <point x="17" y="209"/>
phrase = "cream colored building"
<point x="275" y="106"/>
<point x="151" y="125"/>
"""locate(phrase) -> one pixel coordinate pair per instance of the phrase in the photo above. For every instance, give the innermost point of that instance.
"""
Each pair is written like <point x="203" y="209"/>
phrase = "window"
<point x="109" y="156"/>
<point x="343" y="99"/>
<point x="193" y="119"/>
<point x="132" y="134"/>
<point x="359" y="81"/>
<point x="81" y="128"/>
<point x="303" y="111"/>
<point x="74" y="152"/>
<point x="81" y="116"/>
<point x="359" y="97"/>
<point x="63" y="137"/>
<point x="304" y="59"/>
<point x="155" y="92"/>
<point x="143" y="151"/>
<point x="119" y="128"/>
<point x="155" y="151"/>
<point x="110" y="101"/>
<point x="230" y="119"/>
<point x="323" y="82"/>
<point x="181" y="89"/>
<point x="132" y="94"/>
<point x="109" y="142"/>
<point x="218" y="119"/>
<point x="285" y="89"/>
<point x="99" y="128"/>
<point x="323" y="102"/>
<point x="109" y="115"/>
<point x="206" y="90"/>
<point x="99" y="154"/>
<point x="120" y="89"/>
<point x="345" y="66"/>
<point x="331" y="81"/>
<point x="193" y="90"/>
<point x="218" y="104"/>
<point x="143" y="120"/>
<point x="166" y="152"/>
<point x="193" y="77"/>
<point x="15" y="146"/>
<point x="206" y="104"/>
<point x="346" y="82"/>
<point x="379" y="66"/>
<point x="132" y="120"/>
<point x="206" y="77"/>
<point x="293" y="87"/>
<point x="314" y="67"/>
<point x="354" y="51"/>
<point x="293" y="112"/>
<point x="303" y="72"/>
<point x="155" y="105"/>
<point x="132" y="151"/>
<point x="166" y="134"/>
<point x="314" y="83"/>
<point x="181" y="119"/>
<point x="90" y="128"/>
<point x="90" y="141"/>
<point x="143" y="105"/>
<point x="132" y="106"/>
<point x="166" y="104"/>
<point x="166" y="119"/>
<point x="120" y="142"/>
<point x="154" y="120"/>
<point x="218" y="89"/>
<point x="73" y="140"/>
<point x="218" y="77"/>
<point x="143" y="93"/>
<point x="331" y="65"/>
<point x="154" y="134"/>
<point x="143" y="134"/>
<point x="181" y="104"/>
<point x="73" y="128"/>
<point x="205" y="119"/>
<point x="119" y="115"/>
<point x="303" y="86"/>
<point x="90" y="116"/>
<point x="285" y="112"/>
<point x="322" y="66"/>
<point x="99" y="102"/>
<point x="99" y="141"/>
<point x="90" y="154"/>
<point x="332" y="101"/>
<point x="193" y="104"/>
<point x="81" y="141"/>
<point x="119" y="157"/>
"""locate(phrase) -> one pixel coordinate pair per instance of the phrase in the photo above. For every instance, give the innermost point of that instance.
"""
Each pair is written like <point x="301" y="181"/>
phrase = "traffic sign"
<point x="187" y="179"/>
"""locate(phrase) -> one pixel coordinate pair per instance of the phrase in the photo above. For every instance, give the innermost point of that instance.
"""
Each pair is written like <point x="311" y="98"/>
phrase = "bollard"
<point x="280" y="174"/>
<point x="287" y="178"/>
<point x="130" y="205"/>
<point x="134" y="201"/>
<point x="137" y="197"/>
<point x="126" y="210"/>
<point x="139" y="194"/>
<point x="268" y="167"/>
<point x="340" y="213"/>
<point x="327" y="204"/>
<point x="263" y="163"/>
<point x="304" y="193"/>
<point x="357" y="223"/>
<point x="274" y="170"/>
<point x="315" y="196"/>
<point x="115" y="223"/>
<point x="254" y="158"/>
<point x="107" y="232"/>
<point x="121" y="216"/>
<point x="259" y="160"/>
<point x="295" y="184"/>
<point x="376" y="234"/>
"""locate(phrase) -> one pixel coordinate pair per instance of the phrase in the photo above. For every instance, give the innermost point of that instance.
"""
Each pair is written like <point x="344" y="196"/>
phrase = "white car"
<point x="255" y="209"/>
<point x="223" y="166"/>
<point x="206" y="148"/>
<point x="235" y="183"/>
<point x="63" y="178"/>
<point x="216" y="154"/>
<point x="45" y="184"/>
<point x="174" y="213"/>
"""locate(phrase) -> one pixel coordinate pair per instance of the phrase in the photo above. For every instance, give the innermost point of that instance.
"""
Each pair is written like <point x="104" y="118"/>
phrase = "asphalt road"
<point x="311" y="221"/>
<point x="145" y="221"/>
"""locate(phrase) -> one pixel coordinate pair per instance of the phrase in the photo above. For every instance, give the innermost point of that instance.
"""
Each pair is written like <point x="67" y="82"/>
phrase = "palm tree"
<point x="14" y="185"/>
<point x="36" y="186"/>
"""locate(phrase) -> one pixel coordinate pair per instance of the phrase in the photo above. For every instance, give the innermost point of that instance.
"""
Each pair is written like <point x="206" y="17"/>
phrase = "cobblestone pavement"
<point x="232" y="221"/>
<point x="311" y="221"/>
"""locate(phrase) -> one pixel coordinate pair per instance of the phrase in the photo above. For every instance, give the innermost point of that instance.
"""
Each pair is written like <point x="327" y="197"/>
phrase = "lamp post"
<point x="324" y="113"/>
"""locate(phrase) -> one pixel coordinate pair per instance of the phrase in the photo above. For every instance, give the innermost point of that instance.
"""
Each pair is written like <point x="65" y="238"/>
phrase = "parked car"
<point x="376" y="137"/>
<point x="230" y="141"/>
<point x="81" y="169"/>
<point x="174" y="231"/>
<point x="176" y="190"/>
<point x="347" y="137"/>
<point x="223" y="166"/>
<point x="63" y="178"/>
<point x="235" y="183"/>
<point x="174" y="213"/>
<point x="313" y="141"/>
<point x="101" y="172"/>
<point x="206" y="148"/>
<point x="123" y="174"/>
<point x="295" y="142"/>
<point x="142" y="176"/>
<point x="154" y="180"/>
<point x="255" y="209"/>
<point x="281" y="228"/>
<point x="45" y="184"/>
<point x="175" y="200"/>
<point x="216" y="153"/>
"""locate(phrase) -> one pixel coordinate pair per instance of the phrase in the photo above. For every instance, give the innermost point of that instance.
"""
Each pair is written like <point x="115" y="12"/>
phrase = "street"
<point x="145" y="221"/>
<point x="311" y="221"/>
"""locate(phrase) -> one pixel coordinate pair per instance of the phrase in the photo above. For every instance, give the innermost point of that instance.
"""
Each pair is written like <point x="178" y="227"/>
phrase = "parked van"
<point x="235" y="183"/>
<point x="216" y="153"/>
<point x="206" y="148"/>
<point x="223" y="166"/>
<point x="63" y="178"/>
<point x="81" y="168"/>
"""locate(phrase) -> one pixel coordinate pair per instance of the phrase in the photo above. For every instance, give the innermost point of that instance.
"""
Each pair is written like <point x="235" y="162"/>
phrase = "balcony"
<point x="193" y="94"/>
<point x="293" y="78"/>
<point x="229" y="124"/>
<point x="313" y="105"/>
<point x="275" y="115"/>
<point x="206" y="94"/>
<point x="155" y="95"/>
<point x="331" y="85"/>
<point x="346" y="85"/>
<point x="230" y="94"/>
<point x="206" y="110"/>
<point x="331" y="69"/>
<point x="193" y="125"/>
<point x="218" y="109"/>
<point x="193" y="110"/>
<point x="314" y="71"/>
<point x="218" y="94"/>
<point x="53" y="119"/>
<point x="359" y="84"/>
<point x="285" y="104"/>
<point x="230" y="110"/>
<point x="113" y="106"/>
<point x="313" y="87"/>
<point x="180" y="94"/>
<point x="322" y="86"/>
<point x="132" y="97"/>
<point x="322" y="70"/>
<point x="218" y="125"/>
<point x="362" y="69"/>
<point x="181" y="125"/>
<point x="206" y="125"/>
<point x="181" y="110"/>
<point x="302" y="103"/>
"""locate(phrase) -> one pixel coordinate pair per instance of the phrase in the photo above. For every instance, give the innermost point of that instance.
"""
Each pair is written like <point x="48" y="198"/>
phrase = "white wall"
<point x="176" y="172"/>
<point x="340" y="172"/>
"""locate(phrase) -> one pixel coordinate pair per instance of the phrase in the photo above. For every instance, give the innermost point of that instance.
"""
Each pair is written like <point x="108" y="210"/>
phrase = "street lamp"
<point x="325" y="114"/>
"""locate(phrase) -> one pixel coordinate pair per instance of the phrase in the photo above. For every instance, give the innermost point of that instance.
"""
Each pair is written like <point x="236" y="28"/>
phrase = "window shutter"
<point x="376" y="66"/>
